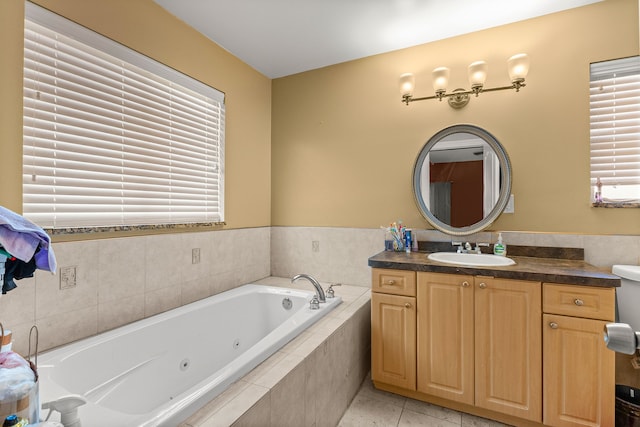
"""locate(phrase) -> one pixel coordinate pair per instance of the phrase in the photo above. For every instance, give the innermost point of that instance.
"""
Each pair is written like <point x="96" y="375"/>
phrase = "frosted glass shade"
<point x="518" y="66"/>
<point x="478" y="73"/>
<point x="440" y="79"/>
<point x="407" y="84"/>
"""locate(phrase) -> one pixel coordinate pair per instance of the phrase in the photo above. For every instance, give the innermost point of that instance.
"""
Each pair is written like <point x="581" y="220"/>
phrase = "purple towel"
<point x="25" y="240"/>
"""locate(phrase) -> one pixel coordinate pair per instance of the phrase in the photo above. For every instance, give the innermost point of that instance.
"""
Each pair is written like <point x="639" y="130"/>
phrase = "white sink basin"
<point x="477" y="260"/>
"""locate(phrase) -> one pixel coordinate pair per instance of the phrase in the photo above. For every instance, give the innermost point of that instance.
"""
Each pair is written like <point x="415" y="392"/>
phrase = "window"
<point x="615" y="132"/>
<point x="112" y="137"/>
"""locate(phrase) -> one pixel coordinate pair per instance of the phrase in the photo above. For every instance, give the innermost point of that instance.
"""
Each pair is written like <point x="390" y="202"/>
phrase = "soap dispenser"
<point x="500" y="248"/>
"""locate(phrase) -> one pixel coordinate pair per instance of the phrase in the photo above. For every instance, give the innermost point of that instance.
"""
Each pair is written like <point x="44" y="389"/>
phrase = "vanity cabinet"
<point x="579" y="370"/>
<point x="522" y="345"/>
<point x="393" y="328"/>
<point x="518" y="351"/>
<point x="479" y="342"/>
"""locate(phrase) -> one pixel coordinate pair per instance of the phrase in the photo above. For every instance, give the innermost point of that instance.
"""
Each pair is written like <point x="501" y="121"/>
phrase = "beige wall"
<point x="147" y="28"/>
<point x="335" y="146"/>
<point x="343" y="144"/>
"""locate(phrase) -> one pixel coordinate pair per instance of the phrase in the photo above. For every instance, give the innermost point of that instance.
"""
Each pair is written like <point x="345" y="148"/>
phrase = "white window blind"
<point x="112" y="137"/>
<point x="615" y="130"/>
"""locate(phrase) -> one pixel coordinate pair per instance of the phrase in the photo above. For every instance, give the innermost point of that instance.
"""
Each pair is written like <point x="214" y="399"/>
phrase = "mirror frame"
<point x="505" y="180"/>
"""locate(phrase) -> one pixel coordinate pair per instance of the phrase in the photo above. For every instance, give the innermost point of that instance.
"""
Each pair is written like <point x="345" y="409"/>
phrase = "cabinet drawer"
<point x="398" y="282"/>
<point x="579" y="301"/>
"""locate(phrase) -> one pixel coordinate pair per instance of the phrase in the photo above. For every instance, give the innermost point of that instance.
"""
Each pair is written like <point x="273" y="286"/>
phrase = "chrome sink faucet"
<point x="466" y="248"/>
<point x="463" y="248"/>
<point x="315" y="283"/>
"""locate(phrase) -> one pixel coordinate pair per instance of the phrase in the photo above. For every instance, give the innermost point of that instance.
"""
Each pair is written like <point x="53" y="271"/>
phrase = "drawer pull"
<point x="465" y="284"/>
<point x="391" y="282"/>
<point x="578" y="302"/>
<point x="553" y="325"/>
<point x="482" y="285"/>
<point x="407" y="305"/>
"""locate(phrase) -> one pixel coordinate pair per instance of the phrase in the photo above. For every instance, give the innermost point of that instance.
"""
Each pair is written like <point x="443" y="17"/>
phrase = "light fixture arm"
<point x="460" y="94"/>
<point x="517" y="65"/>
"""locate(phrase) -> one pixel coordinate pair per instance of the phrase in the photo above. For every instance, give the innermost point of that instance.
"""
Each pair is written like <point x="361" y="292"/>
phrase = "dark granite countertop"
<point x="539" y="269"/>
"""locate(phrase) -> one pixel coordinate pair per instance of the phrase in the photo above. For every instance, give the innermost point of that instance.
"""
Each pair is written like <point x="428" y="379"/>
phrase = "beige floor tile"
<point x="473" y="421"/>
<point x="368" y="390"/>
<point x="367" y="412"/>
<point x="433" y="411"/>
<point x="411" y="419"/>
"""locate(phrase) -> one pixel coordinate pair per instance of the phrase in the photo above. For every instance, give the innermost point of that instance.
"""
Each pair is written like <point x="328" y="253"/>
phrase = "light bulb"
<point x="478" y="73"/>
<point x="440" y="79"/>
<point x="518" y="66"/>
<point x="407" y="84"/>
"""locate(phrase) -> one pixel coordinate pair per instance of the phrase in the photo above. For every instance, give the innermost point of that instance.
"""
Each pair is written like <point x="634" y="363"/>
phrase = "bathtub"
<point x="160" y="370"/>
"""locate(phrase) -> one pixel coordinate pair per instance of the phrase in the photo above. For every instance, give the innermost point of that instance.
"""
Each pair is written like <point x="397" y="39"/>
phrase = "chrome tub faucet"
<point x="314" y="282"/>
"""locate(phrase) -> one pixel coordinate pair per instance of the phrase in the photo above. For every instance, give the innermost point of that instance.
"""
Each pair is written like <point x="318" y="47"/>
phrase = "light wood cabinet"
<point x="393" y="339"/>
<point x="396" y="282"/>
<point x="522" y="352"/>
<point x="479" y="342"/>
<point x="445" y="336"/>
<point x="508" y="341"/>
<point x="579" y="371"/>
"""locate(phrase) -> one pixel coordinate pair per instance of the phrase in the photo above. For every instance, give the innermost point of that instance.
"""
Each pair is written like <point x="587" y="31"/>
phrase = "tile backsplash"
<point x="122" y="280"/>
<point x="126" y="279"/>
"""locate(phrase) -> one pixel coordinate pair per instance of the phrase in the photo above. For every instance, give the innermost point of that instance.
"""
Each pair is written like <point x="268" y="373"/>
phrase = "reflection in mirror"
<point x="462" y="180"/>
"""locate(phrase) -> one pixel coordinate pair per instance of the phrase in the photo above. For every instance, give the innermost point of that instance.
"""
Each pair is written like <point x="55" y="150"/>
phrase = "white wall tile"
<point x="121" y="268"/>
<point x="50" y="299"/>
<point x="126" y="279"/>
<point x="66" y="327"/>
<point x="118" y="312"/>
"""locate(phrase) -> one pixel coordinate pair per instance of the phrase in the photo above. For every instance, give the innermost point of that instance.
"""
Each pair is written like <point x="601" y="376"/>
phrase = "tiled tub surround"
<point x="123" y="280"/>
<point x="126" y="279"/>
<point x="311" y="380"/>
<point x="344" y="251"/>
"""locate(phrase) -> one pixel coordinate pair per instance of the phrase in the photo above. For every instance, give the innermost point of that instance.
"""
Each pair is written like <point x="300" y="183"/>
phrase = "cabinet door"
<point x="509" y="347"/>
<point x="579" y="373"/>
<point x="393" y="340"/>
<point x="445" y="336"/>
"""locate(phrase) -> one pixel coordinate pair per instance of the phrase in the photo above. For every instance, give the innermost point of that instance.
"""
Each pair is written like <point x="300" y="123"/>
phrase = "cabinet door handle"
<point x="553" y="325"/>
<point x="407" y="304"/>
<point x="578" y="302"/>
<point x="482" y="285"/>
<point x="465" y="284"/>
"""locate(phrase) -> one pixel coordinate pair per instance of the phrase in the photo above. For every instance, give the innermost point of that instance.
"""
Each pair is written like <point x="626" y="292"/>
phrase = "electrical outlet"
<point x="315" y="246"/>
<point x="511" y="205"/>
<point x="68" y="277"/>
<point x="195" y="256"/>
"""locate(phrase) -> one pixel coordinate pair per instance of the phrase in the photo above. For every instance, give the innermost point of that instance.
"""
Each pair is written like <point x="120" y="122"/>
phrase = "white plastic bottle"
<point x="500" y="248"/>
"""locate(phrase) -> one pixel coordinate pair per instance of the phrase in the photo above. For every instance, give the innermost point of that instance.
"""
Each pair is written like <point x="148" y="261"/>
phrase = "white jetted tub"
<point x="160" y="370"/>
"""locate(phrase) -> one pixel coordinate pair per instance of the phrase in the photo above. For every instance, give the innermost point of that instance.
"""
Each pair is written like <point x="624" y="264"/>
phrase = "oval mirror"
<point x="462" y="180"/>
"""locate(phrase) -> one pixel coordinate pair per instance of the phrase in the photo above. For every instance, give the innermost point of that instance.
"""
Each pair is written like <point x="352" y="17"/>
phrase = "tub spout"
<point x="314" y="282"/>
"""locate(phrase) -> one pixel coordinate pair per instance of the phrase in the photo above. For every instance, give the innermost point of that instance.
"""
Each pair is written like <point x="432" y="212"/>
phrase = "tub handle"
<point x="331" y="293"/>
<point x="314" y="304"/>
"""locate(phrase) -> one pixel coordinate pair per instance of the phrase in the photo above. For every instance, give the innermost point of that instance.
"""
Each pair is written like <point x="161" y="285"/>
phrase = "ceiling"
<point x="284" y="37"/>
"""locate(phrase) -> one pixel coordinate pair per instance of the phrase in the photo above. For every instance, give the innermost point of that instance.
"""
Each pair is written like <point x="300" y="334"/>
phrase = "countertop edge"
<point x="568" y="272"/>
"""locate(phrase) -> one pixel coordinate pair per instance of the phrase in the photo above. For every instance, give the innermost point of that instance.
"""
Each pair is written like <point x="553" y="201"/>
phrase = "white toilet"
<point x="628" y="298"/>
<point x="628" y="295"/>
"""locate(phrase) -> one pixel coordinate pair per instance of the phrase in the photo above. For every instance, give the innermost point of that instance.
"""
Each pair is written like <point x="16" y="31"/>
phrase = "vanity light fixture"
<point x="518" y="66"/>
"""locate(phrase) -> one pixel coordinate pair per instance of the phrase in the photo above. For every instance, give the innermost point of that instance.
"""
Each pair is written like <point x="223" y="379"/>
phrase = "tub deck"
<point x="308" y="382"/>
